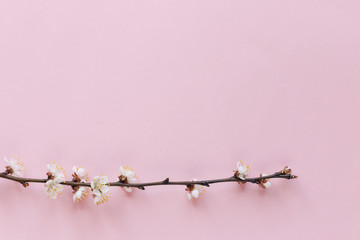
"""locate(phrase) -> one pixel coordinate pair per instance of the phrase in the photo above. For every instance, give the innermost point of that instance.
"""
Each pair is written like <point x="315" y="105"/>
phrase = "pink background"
<point x="183" y="89"/>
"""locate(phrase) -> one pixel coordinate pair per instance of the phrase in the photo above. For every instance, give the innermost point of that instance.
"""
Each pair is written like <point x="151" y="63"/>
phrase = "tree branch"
<point x="166" y="181"/>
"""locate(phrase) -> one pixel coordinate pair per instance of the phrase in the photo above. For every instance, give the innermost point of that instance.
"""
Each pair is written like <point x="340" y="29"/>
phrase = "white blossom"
<point x="53" y="188"/>
<point x="56" y="171"/>
<point x="100" y="188"/>
<point x="79" y="175"/>
<point x="14" y="167"/>
<point x="127" y="175"/>
<point x="56" y="175"/>
<point x="194" y="190"/>
<point x="242" y="170"/>
<point x="264" y="183"/>
<point x="80" y="193"/>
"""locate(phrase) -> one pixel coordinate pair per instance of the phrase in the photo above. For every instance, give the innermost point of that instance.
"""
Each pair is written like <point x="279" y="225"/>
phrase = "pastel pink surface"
<point x="183" y="89"/>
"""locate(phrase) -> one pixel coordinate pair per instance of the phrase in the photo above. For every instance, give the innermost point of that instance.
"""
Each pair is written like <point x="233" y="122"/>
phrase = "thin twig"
<point x="166" y="181"/>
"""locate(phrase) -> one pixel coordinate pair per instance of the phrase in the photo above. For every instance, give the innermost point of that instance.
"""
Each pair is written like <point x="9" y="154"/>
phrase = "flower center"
<point x="123" y="179"/>
<point x="190" y="187"/>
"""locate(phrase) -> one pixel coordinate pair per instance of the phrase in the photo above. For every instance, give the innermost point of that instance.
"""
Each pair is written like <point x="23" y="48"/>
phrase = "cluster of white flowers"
<point x="100" y="188"/>
<point x="79" y="175"/>
<point x="100" y="185"/>
<point x="56" y="176"/>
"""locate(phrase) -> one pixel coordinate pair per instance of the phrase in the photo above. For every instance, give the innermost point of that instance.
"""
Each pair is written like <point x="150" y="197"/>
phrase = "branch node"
<point x="141" y="187"/>
<point x="25" y="184"/>
<point x="206" y="184"/>
<point x="166" y="181"/>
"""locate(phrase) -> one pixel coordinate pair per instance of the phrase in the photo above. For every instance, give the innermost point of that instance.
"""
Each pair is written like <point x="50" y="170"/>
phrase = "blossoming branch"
<point x="100" y="185"/>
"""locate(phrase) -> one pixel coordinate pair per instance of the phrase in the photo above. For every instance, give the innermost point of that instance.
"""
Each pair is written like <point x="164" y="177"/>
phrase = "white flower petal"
<point x="128" y="189"/>
<point x="122" y="170"/>
<point x="6" y="160"/>
<point x="97" y="199"/>
<point x="195" y="193"/>
<point x="80" y="193"/>
<point x="105" y="189"/>
<point x="104" y="179"/>
<point x="81" y="172"/>
<point x="100" y="189"/>
<point x="267" y="184"/>
<point x="96" y="192"/>
<point x="188" y="195"/>
<point x="132" y="180"/>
